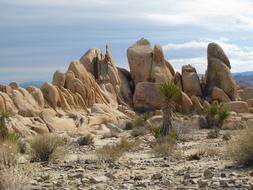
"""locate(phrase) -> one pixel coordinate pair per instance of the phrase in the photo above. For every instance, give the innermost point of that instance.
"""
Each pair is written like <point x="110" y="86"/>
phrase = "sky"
<point x="38" y="37"/>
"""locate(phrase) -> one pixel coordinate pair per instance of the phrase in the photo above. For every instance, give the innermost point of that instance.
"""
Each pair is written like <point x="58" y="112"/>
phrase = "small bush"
<point x="139" y="131"/>
<point x="129" y="125"/>
<point x="85" y="140"/>
<point x="216" y="113"/>
<point x="203" y="151"/>
<point x="8" y="154"/>
<point x="113" y="152"/>
<point x="241" y="147"/>
<point x="45" y="147"/>
<point x="165" y="149"/>
<point x="213" y="134"/>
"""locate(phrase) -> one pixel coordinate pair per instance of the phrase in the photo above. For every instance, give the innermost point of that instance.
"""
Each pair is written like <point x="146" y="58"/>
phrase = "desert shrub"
<point x="202" y="151"/>
<point x="15" y="178"/>
<point x="129" y="125"/>
<point x="113" y="152"/>
<point x="216" y="113"/>
<point x="85" y="140"/>
<point x="45" y="147"/>
<point x="8" y="154"/>
<point x="213" y="134"/>
<point x="165" y="149"/>
<point x="241" y="147"/>
<point x="139" y="131"/>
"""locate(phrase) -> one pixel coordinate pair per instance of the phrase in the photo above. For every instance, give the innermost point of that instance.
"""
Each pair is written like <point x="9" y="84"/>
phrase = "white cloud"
<point x="241" y="57"/>
<point x="215" y="14"/>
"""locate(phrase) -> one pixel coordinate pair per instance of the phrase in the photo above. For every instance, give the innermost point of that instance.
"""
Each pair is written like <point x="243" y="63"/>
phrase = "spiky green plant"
<point x="169" y="92"/>
<point x="216" y="113"/>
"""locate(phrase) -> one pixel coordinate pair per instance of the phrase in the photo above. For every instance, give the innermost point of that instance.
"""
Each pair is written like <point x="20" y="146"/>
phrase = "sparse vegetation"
<point x="46" y="147"/>
<point x="216" y="113"/>
<point x="165" y="148"/>
<point x="241" y="147"/>
<point x="113" y="152"/>
<point x="8" y="155"/>
<point x="169" y="91"/>
<point x="85" y="140"/>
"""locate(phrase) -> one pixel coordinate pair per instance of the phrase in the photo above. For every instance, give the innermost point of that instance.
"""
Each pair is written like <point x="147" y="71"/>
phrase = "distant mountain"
<point x="32" y="83"/>
<point x="244" y="78"/>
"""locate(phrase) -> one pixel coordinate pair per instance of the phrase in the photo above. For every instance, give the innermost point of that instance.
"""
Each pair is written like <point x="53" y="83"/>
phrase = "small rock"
<point x="223" y="175"/>
<point x="202" y="183"/>
<point x="208" y="174"/>
<point x="251" y="173"/>
<point x="101" y="179"/>
<point x="75" y="175"/>
<point x="157" y="176"/>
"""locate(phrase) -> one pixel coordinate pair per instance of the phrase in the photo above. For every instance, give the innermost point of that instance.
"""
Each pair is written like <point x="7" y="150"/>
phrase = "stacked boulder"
<point x="148" y="67"/>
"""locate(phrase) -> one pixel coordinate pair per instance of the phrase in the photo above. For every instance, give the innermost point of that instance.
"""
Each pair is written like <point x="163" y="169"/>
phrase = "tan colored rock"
<point x="191" y="82"/>
<point x="51" y="95"/>
<point x="218" y="72"/>
<point x="2" y="106"/>
<point x="140" y="59"/>
<point x="25" y="103"/>
<point x="170" y="67"/>
<point x="238" y="107"/>
<point x="13" y="85"/>
<point x="8" y="103"/>
<point x="90" y="91"/>
<point x="37" y="95"/>
<point x="220" y="95"/>
<point x="147" y="96"/>
<point x="159" y="72"/>
<point x="250" y="102"/>
<point x="185" y="104"/>
<point x="178" y="81"/>
<point x="215" y="51"/>
<point x="58" y="79"/>
<point x="6" y="89"/>
<point x="196" y="103"/>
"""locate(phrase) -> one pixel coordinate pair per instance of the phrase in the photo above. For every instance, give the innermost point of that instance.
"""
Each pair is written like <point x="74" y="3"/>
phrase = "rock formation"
<point x="218" y="72"/>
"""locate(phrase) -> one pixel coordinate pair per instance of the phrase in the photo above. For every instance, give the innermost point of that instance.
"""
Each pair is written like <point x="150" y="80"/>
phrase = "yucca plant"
<point x="169" y="92"/>
<point x="216" y="113"/>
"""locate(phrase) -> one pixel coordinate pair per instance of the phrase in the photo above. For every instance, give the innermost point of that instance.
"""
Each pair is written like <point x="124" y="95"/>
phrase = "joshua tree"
<point x="169" y="91"/>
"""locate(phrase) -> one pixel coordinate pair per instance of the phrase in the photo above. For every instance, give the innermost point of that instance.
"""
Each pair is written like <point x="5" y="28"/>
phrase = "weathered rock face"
<point x="151" y="100"/>
<point x="184" y="103"/>
<point x="190" y="79"/>
<point x="196" y="103"/>
<point x="59" y="79"/>
<point x="147" y="64"/>
<point x="178" y="81"/>
<point x="127" y="86"/>
<point x="218" y="72"/>
<point x="219" y="94"/>
<point x="238" y="106"/>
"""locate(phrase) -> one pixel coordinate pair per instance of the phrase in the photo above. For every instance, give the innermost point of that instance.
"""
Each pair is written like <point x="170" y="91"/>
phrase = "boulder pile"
<point x="97" y="92"/>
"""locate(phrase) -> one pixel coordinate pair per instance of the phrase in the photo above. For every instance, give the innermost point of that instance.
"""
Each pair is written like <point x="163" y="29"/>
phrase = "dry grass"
<point x="85" y="140"/>
<point x="203" y="151"/>
<point x="165" y="149"/>
<point x="139" y="131"/>
<point x="46" y="147"/>
<point x="113" y="152"/>
<point x="13" y="179"/>
<point x="8" y="154"/>
<point x="240" y="148"/>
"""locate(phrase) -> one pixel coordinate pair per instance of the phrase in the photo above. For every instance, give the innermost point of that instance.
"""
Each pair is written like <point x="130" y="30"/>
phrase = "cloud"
<point x="215" y="14"/>
<point x="241" y="57"/>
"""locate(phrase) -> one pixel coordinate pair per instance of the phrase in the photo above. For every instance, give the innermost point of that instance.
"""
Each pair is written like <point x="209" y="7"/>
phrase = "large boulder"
<point x="238" y="106"/>
<point x="147" y="96"/>
<point x="196" y="103"/>
<point x="159" y="70"/>
<point x="218" y="72"/>
<point x="184" y="103"/>
<point x="190" y="79"/>
<point x="59" y="79"/>
<point x="7" y="104"/>
<point x="37" y="95"/>
<point x="147" y="64"/>
<point x="25" y="103"/>
<point x="219" y="94"/>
